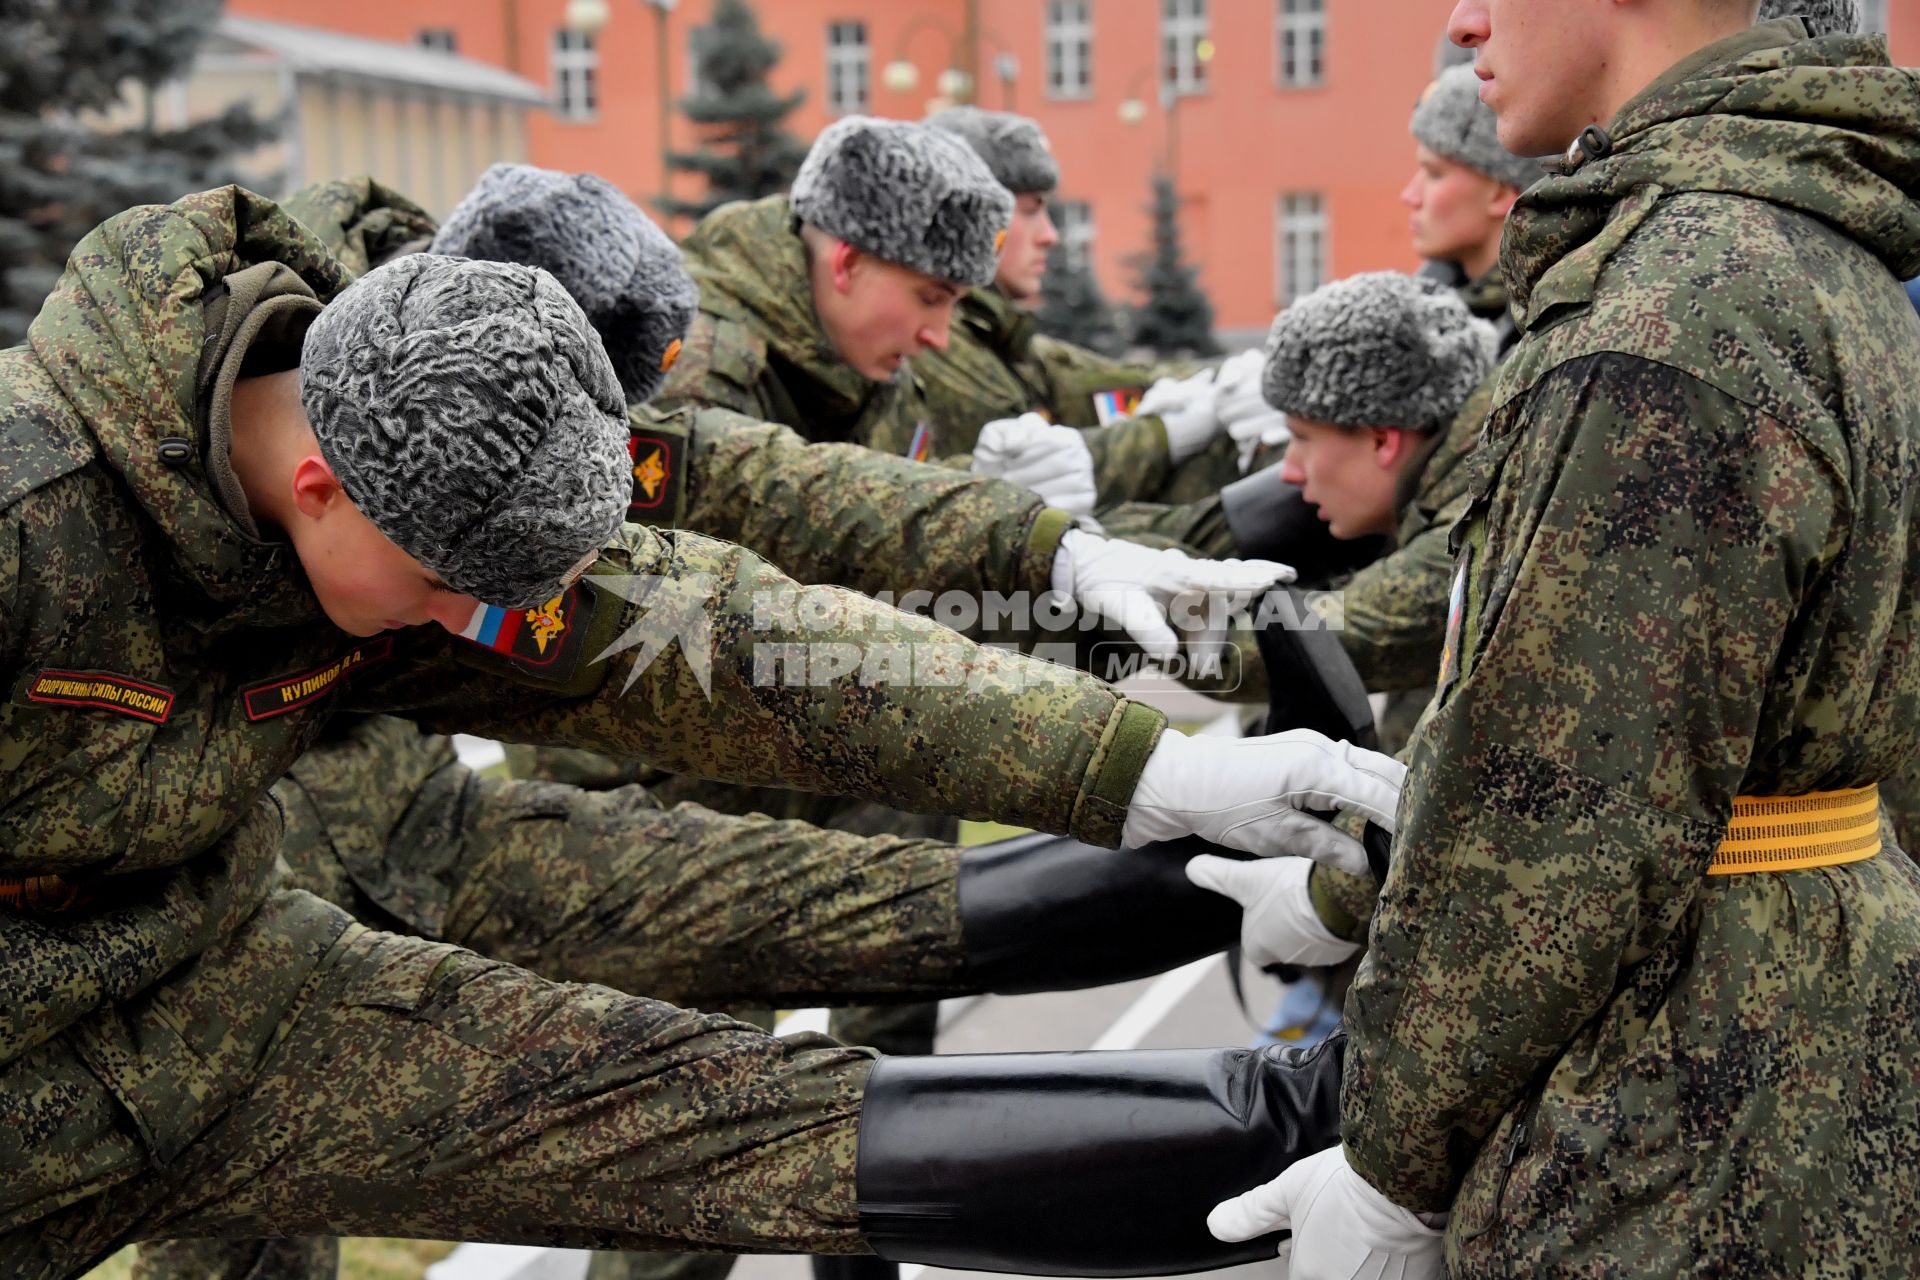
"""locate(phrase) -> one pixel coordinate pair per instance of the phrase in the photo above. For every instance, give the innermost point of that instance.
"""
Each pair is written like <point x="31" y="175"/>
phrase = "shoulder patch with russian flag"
<point x="1121" y="402"/>
<point x="920" y="448"/>
<point x="547" y="641"/>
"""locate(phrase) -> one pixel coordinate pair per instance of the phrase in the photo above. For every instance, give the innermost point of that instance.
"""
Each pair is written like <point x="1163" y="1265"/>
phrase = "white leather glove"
<point x="1132" y="586"/>
<point x="1191" y="424"/>
<point x="1278" y="924"/>
<point x="1031" y="452"/>
<point x="1238" y="384"/>
<point x="1343" y="1229"/>
<point x="1269" y="428"/>
<point x="1169" y="393"/>
<point x="1252" y="794"/>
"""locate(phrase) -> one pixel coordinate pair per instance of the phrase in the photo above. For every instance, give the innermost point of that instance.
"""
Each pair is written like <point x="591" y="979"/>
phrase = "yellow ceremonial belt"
<point x="1793" y="833"/>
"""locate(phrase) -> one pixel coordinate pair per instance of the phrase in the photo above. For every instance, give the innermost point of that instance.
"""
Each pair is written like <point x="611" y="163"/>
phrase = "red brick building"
<point x="1284" y="121"/>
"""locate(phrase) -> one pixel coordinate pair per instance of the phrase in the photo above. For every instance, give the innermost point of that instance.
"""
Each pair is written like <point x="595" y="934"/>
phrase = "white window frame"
<point x="1068" y="35"/>
<point x="1873" y="15"/>
<point x="1184" y="24"/>
<point x="575" y="62"/>
<point x="438" y="39"/>
<point x="1302" y="246"/>
<point x="849" y="67"/>
<point x="1300" y="43"/>
<point x="1074" y="220"/>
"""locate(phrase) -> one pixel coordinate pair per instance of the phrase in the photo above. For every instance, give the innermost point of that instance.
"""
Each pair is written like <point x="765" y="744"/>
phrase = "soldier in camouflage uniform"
<point x="386" y="823"/>
<point x="799" y="326"/>
<point x="997" y="366"/>
<point x="191" y="1049"/>
<point x="1641" y="996"/>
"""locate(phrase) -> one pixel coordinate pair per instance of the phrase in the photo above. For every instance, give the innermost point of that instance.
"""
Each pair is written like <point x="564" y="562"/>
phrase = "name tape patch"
<point x="103" y="691"/>
<point x="289" y="693"/>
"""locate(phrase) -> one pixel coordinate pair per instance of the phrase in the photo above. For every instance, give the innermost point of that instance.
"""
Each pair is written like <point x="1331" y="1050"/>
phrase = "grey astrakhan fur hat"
<point x="469" y="410"/>
<point x="618" y="265"/>
<point x="907" y="193"/>
<point x="1377" y="350"/>
<point x="1013" y="147"/>
<point x="1822" y="17"/>
<point x="1452" y="121"/>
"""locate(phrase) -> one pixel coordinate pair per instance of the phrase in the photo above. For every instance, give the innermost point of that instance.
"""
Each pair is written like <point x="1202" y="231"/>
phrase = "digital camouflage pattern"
<point x="362" y="222"/>
<point x="693" y="907"/>
<point x="158" y="1023"/>
<point x="1691" y="575"/>
<point x="690" y="906"/>
<point x="997" y="365"/>
<point x="825" y="513"/>
<point x="756" y="347"/>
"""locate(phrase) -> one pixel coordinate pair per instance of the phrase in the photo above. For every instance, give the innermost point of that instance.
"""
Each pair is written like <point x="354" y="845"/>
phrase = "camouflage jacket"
<point x="825" y="513"/>
<point x="164" y="667"/>
<point x="997" y="366"/>
<point x="1687" y="573"/>
<point x="756" y="347"/>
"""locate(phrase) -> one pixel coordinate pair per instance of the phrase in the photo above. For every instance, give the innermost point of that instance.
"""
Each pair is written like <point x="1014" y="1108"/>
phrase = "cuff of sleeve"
<point x="1100" y="811"/>
<point x="1154" y="423"/>
<point x="1326" y="897"/>
<point x="1043" y="544"/>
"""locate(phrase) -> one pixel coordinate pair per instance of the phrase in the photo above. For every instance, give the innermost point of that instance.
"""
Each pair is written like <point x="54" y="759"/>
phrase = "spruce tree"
<point x="1175" y="318"/>
<point x="744" y="153"/>
<point x="1072" y="308"/>
<point x="61" y="60"/>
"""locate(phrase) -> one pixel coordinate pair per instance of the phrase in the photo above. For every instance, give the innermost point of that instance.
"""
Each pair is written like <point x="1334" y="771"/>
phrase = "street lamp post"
<point x="958" y="83"/>
<point x="590" y="18"/>
<point x="1133" y="110"/>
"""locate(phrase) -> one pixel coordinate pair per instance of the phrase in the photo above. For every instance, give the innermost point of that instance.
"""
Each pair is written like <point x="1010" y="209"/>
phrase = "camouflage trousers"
<point x="311" y="1076"/>
<point x="609" y="887"/>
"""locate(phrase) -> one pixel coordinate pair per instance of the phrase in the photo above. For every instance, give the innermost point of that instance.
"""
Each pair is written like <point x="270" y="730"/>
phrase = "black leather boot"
<point x="1084" y="1164"/>
<point x="1048" y="913"/>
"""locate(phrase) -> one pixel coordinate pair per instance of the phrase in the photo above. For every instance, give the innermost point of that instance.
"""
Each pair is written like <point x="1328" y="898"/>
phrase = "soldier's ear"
<point x="315" y="489"/>
<point x="842" y="263"/>
<point x="1392" y="446"/>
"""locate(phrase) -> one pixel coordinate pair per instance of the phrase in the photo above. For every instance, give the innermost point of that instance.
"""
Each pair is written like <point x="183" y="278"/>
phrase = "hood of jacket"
<point x="123" y="339"/>
<point x="1828" y="128"/>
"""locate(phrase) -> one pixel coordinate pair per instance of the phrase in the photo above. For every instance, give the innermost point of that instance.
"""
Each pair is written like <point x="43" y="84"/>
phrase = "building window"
<point x="848" y="65"/>
<point x="1873" y="15"/>
<point x="1302" y="250"/>
<point x="1069" y="40"/>
<point x="1074" y="220"/>
<point x="1185" y="48"/>
<point x="576" y="75"/>
<point x="438" y="39"/>
<point x="1302" y="25"/>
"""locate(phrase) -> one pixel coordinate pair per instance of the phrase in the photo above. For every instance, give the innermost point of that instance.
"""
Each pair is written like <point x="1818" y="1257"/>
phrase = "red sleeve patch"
<point x="102" y="691"/>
